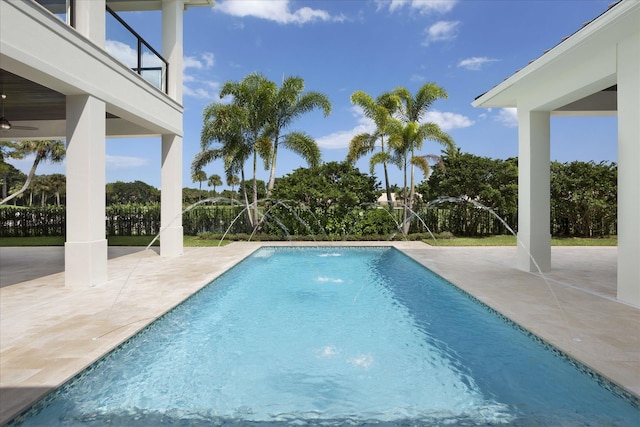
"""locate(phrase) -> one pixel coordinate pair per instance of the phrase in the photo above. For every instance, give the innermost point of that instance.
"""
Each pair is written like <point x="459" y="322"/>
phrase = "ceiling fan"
<point x="5" y="125"/>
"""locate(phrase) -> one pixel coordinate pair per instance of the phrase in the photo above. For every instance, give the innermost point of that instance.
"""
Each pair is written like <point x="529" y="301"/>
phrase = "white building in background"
<point x="61" y="82"/>
<point x="596" y="71"/>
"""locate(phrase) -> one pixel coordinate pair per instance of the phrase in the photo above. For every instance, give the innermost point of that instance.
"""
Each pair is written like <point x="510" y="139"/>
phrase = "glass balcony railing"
<point x="127" y="46"/>
<point x="60" y="8"/>
<point x="122" y="42"/>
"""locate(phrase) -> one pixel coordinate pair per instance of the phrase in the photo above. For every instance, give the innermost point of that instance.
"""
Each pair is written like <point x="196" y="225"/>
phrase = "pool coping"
<point x="26" y="360"/>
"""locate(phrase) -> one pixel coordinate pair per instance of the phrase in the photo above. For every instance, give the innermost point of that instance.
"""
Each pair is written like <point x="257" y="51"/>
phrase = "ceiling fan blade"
<point x="5" y="124"/>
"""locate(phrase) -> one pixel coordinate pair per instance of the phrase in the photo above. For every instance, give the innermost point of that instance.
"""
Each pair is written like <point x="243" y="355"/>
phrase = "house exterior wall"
<point x="59" y="57"/>
<point x="604" y="53"/>
<point x="73" y="62"/>
<point x="629" y="169"/>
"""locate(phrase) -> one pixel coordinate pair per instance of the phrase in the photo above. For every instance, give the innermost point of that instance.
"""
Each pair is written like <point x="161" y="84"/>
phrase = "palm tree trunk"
<point x="405" y="229"/>
<point x="246" y="198"/>
<point x="272" y="174"/>
<point x="4" y="186"/>
<point x="32" y="173"/>
<point x="386" y="183"/>
<point x="254" y="223"/>
<point x="386" y="176"/>
<point x="411" y="194"/>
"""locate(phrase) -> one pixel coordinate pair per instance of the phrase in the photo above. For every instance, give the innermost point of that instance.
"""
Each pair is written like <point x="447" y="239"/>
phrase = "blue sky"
<point x="340" y="46"/>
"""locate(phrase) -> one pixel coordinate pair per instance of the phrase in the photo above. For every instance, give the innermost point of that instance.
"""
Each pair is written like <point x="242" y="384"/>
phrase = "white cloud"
<point x="447" y="120"/>
<point x="124" y="162"/>
<point x="424" y="6"/>
<point x="194" y="85"/>
<point x="205" y="61"/>
<point x="342" y="138"/>
<point x="277" y="11"/>
<point x="441" y="31"/>
<point x="475" y="63"/>
<point x="508" y="117"/>
<point x="202" y="89"/>
<point x="129" y="56"/>
<point x="207" y="57"/>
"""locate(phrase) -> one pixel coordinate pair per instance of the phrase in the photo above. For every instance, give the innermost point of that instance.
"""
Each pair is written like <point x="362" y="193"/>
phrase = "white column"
<point x="85" y="254"/>
<point x="171" y="243"/>
<point x="629" y="170"/>
<point x="172" y="42"/>
<point x="534" y="190"/>
<point x="91" y="21"/>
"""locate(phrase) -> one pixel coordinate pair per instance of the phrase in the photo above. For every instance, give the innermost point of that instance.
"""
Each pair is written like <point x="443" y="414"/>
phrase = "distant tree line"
<point x="336" y="199"/>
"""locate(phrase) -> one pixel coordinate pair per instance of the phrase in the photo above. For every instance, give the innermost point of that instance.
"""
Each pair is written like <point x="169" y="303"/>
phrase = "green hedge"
<point x="143" y="220"/>
<point x="32" y="222"/>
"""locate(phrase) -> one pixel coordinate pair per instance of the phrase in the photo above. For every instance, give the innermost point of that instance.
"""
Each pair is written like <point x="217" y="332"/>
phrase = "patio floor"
<point x="48" y="332"/>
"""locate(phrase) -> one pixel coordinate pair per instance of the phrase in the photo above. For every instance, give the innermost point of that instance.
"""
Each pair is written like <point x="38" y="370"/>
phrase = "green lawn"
<point x="32" y="241"/>
<point x="195" y="241"/>
<point x="113" y="241"/>
<point x="511" y="241"/>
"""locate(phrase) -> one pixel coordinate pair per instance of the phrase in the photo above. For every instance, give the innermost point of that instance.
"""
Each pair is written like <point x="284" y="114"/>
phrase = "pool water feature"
<point x="336" y="336"/>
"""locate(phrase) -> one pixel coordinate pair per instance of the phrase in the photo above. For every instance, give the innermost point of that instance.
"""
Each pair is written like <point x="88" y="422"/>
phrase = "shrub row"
<point x="297" y="223"/>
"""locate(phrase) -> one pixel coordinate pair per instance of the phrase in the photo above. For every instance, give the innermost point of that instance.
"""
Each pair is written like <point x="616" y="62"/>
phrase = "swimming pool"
<point x="333" y="335"/>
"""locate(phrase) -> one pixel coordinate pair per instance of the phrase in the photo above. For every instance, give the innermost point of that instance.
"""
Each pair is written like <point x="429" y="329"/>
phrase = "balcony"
<point x="126" y="45"/>
<point x="122" y="42"/>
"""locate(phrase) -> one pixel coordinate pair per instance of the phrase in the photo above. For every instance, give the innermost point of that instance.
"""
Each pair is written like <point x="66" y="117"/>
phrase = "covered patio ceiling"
<point x="36" y="112"/>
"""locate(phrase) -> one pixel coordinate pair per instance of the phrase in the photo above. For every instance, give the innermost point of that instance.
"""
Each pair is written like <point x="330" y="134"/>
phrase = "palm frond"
<point x="422" y="163"/>
<point x="379" y="158"/>
<point x="263" y="148"/>
<point x="305" y="146"/>
<point x="359" y="146"/>
<point x="203" y="158"/>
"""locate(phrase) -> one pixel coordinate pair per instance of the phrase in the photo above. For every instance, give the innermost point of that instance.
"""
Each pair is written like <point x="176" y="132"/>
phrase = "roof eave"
<point x="502" y="96"/>
<point x="140" y="5"/>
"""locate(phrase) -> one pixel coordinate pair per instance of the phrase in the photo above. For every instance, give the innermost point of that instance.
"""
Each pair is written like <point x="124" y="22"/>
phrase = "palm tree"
<point x="198" y="176"/>
<point x="222" y="123"/>
<point x="214" y="181"/>
<point x="381" y="112"/>
<point x="232" y="181"/>
<point x="409" y="138"/>
<point x="42" y="185"/>
<point x="7" y="149"/>
<point x="45" y="150"/>
<point x="58" y="184"/>
<point x="253" y="96"/>
<point x="288" y="104"/>
<point x="241" y="128"/>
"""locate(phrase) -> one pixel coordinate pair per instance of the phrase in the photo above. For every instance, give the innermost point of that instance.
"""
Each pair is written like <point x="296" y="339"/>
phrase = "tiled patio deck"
<point x="48" y="332"/>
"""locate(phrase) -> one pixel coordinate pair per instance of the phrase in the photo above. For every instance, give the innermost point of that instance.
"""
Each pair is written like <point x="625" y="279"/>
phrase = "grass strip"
<point x="195" y="241"/>
<point x="511" y="241"/>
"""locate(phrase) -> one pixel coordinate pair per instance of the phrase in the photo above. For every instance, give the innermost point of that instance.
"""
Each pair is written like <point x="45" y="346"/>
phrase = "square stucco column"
<point x="534" y="248"/>
<point x="171" y="234"/>
<point x="171" y="243"/>
<point x="85" y="253"/>
<point x="172" y="44"/>
<point x="629" y="170"/>
<point x="90" y="20"/>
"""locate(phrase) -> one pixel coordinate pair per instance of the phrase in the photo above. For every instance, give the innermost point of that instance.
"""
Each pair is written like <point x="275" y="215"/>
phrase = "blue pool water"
<point x="333" y="336"/>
